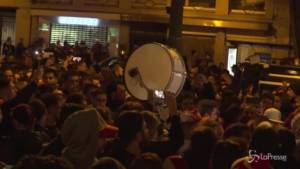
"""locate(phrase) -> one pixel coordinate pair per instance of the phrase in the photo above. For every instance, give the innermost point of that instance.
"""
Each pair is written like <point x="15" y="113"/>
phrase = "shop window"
<point x="248" y="5"/>
<point x="7" y="29"/>
<point x="201" y="3"/>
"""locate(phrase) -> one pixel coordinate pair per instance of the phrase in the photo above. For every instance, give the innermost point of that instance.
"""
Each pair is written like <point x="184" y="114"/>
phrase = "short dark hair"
<point x="73" y="73"/>
<point x="38" y="108"/>
<point x="129" y="124"/>
<point x="107" y="163"/>
<point x="232" y="151"/>
<point x="4" y="82"/>
<point x="237" y="130"/>
<point x="39" y="162"/>
<point x="147" y="161"/>
<point x="232" y="113"/>
<point x="206" y="106"/>
<point x="22" y="113"/>
<point x="68" y="109"/>
<point x="203" y="138"/>
<point x="50" y="70"/>
<point x="50" y="99"/>
<point x="98" y="92"/>
<point x="77" y="98"/>
<point x="267" y="96"/>
<point x="265" y="139"/>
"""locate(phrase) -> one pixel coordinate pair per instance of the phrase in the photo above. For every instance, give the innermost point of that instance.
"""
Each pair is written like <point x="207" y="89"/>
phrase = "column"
<point x="34" y="31"/>
<point x="124" y="38"/>
<point x="220" y="49"/>
<point x="222" y="7"/>
<point x="23" y="25"/>
<point x="269" y="8"/>
<point x="124" y="29"/>
<point x="175" y="25"/>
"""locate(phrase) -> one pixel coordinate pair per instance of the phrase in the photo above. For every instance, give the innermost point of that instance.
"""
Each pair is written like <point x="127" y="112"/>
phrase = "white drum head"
<point x="155" y="66"/>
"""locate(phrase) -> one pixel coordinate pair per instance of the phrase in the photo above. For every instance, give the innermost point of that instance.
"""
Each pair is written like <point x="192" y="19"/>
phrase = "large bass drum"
<point x="156" y="67"/>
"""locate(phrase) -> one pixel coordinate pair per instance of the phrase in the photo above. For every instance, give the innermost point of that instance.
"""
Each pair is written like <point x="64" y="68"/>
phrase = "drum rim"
<point x="172" y="74"/>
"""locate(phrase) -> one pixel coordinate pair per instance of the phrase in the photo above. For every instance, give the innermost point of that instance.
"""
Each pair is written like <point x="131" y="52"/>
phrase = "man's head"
<point x="22" y="117"/>
<point x="38" y="108"/>
<point x="267" y="101"/>
<point x="53" y="107"/>
<point x="9" y="74"/>
<point x="98" y="98"/>
<point x="107" y="163"/>
<point x="152" y="123"/>
<point x="50" y="77"/>
<point x="265" y="139"/>
<point x="74" y="82"/>
<point x="131" y="127"/>
<point x="203" y="138"/>
<point x="187" y="101"/>
<point x="7" y="92"/>
<point x="198" y="81"/>
<point x="117" y="92"/>
<point x="208" y="108"/>
<point x="76" y="98"/>
<point x="118" y="70"/>
<point x="277" y="102"/>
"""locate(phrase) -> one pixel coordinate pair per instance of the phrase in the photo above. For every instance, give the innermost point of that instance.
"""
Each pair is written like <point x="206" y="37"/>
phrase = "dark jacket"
<point x="117" y="150"/>
<point x="22" y="142"/>
<point x="23" y="96"/>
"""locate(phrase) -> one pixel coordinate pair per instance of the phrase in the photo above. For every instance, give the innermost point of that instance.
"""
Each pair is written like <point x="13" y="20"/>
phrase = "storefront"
<point x="7" y="26"/>
<point x="72" y="29"/>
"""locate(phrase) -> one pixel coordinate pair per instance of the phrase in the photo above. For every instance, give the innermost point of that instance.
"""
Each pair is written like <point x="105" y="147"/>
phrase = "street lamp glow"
<point x="78" y="21"/>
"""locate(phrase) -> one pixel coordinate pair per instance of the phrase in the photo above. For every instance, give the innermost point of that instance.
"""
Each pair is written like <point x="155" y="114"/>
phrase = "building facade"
<point x="211" y="27"/>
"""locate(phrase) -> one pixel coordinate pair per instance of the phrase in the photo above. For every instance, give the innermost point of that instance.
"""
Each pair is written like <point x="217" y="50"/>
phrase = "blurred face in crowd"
<point x="118" y="70"/>
<point x="297" y="102"/>
<point x="96" y="82"/>
<point x="226" y="79"/>
<point x="74" y="83"/>
<point x="146" y="136"/>
<point x="100" y="100"/>
<point x="198" y="81"/>
<point x="50" y="79"/>
<point x="9" y="75"/>
<point x="265" y="104"/>
<point x="277" y="102"/>
<point x="7" y="93"/>
<point x="102" y="143"/>
<point x="120" y="93"/>
<point x="215" y="114"/>
<point x="53" y="113"/>
<point x="188" y="104"/>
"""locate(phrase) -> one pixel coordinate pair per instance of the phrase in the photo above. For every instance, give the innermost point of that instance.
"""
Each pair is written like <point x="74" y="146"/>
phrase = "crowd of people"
<point x="65" y="113"/>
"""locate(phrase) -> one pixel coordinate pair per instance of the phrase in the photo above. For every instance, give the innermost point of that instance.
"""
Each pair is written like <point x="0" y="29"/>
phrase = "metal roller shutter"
<point x="73" y="33"/>
<point x="8" y="29"/>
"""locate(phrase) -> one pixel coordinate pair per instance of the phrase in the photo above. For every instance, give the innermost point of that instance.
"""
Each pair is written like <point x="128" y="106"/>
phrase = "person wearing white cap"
<point x="273" y="114"/>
